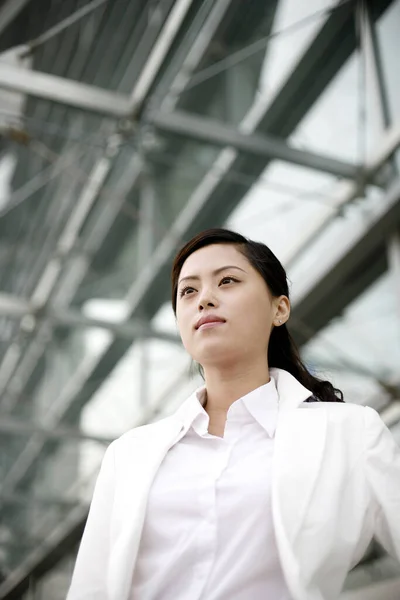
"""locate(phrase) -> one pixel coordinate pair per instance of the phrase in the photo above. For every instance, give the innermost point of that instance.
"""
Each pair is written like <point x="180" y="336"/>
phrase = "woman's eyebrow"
<point x="214" y="272"/>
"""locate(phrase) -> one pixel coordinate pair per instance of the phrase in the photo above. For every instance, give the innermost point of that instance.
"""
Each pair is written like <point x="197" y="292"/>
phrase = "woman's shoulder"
<point x="341" y="410"/>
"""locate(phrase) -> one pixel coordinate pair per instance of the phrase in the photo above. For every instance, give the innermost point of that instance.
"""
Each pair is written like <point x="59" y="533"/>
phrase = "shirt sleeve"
<point x="383" y="474"/>
<point x="89" y="580"/>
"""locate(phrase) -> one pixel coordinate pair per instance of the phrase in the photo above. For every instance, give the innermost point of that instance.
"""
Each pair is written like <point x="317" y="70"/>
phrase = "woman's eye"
<point x="184" y="291"/>
<point x="228" y="279"/>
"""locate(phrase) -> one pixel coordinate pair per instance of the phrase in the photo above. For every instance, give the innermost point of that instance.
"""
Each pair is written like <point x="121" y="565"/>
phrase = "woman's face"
<point x="218" y="284"/>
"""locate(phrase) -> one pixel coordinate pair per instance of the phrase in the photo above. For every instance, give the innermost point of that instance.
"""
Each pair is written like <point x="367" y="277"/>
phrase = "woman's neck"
<point x="226" y="385"/>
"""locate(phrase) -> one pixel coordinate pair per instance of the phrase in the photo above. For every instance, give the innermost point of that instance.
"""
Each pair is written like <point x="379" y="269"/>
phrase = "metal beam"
<point x="9" y="11"/>
<point x="195" y="50"/>
<point x="76" y="268"/>
<point x="13" y="307"/>
<point x="12" y="425"/>
<point x="158" y="53"/>
<point x="64" y="91"/>
<point x="46" y="556"/>
<point x="16" y="308"/>
<point x="265" y="146"/>
<point x="345" y="193"/>
<point x="376" y="84"/>
<point x="36" y="500"/>
<point x="316" y="300"/>
<point x="128" y="330"/>
<point x="393" y="250"/>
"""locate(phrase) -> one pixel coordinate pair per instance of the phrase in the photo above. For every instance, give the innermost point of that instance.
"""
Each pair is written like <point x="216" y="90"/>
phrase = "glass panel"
<point x="26" y="521"/>
<point x="68" y="353"/>
<point x="349" y="103"/>
<point x="360" y="350"/>
<point x="142" y="386"/>
<point x="226" y="82"/>
<point x="294" y="26"/>
<point x="339" y="104"/>
<point x="177" y="167"/>
<point x="11" y="444"/>
<point x="323" y="237"/>
<point x="15" y="535"/>
<point x="56" y="484"/>
<point x="281" y="203"/>
<point x="149" y="382"/>
<point x="388" y="39"/>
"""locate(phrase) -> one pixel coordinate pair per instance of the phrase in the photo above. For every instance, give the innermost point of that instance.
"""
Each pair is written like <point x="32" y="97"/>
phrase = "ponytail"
<point x="283" y="354"/>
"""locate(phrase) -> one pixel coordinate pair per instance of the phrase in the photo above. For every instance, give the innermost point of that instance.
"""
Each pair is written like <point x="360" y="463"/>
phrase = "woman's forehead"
<point x="213" y="257"/>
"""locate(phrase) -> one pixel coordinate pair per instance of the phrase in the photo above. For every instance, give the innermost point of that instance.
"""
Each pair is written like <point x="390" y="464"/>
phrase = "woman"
<point x="263" y="484"/>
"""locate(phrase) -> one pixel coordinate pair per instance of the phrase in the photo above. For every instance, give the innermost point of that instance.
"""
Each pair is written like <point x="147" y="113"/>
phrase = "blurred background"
<point x="127" y="126"/>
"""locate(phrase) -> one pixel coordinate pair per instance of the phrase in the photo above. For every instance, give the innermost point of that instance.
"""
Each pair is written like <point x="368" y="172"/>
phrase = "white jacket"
<point x="335" y="485"/>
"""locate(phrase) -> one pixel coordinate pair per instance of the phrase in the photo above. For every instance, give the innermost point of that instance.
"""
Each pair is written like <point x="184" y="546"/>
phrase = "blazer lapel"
<point x="299" y="448"/>
<point x="141" y="455"/>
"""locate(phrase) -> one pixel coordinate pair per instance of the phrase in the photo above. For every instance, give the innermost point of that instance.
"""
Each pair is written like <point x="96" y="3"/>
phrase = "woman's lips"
<point x="210" y="325"/>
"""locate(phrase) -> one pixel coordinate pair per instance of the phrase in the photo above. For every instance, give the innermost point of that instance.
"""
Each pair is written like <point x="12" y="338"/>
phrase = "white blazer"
<point x="335" y="485"/>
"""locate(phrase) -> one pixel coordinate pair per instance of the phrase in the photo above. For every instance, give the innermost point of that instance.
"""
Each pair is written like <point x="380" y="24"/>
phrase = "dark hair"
<point x="282" y="350"/>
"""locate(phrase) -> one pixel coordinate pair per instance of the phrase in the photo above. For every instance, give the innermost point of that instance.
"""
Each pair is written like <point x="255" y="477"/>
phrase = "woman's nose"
<point x="207" y="300"/>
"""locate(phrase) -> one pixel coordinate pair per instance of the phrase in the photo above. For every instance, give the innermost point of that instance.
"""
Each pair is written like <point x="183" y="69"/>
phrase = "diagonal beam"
<point x="346" y="192"/>
<point x="63" y="91"/>
<point x="193" y="51"/>
<point x="36" y="500"/>
<point x="316" y="300"/>
<point x="158" y="54"/>
<point x="16" y="308"/>
<point x="9" y="11"/>
<point x="13" y="425"/>
<point x="266" y="146"/>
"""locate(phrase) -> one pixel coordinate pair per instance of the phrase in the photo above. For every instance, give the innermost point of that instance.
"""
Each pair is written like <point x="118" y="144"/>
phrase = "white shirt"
<point x="208" y="531"/>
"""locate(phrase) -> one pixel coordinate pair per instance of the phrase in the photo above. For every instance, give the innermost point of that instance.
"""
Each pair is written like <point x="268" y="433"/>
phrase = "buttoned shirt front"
<point x="208" y="531"/>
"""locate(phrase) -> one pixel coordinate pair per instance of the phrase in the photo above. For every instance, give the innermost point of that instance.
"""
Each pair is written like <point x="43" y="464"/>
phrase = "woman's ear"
<point x="282" y="310"/>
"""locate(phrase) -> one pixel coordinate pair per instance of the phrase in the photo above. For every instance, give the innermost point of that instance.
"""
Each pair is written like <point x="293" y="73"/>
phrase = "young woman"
<point x="264" y="483"/>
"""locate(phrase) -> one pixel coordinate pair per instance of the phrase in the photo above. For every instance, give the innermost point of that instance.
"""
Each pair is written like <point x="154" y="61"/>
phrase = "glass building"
<point x="126" y="128"/>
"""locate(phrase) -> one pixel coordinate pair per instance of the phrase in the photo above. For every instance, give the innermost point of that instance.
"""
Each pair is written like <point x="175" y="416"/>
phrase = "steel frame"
<point x="9" y="11"/>
<point x="17" y="308"/>
<point x="265" y="146"/>
<point x="63" y="91"/>
<point x="343" y="269"/>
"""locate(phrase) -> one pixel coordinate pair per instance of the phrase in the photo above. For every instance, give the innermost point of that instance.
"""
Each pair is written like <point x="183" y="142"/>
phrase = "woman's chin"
<point x="215" y="354"/>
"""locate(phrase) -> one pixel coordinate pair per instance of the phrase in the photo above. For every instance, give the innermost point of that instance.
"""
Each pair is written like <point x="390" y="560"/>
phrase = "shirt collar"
<point x="261" y="403"/>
